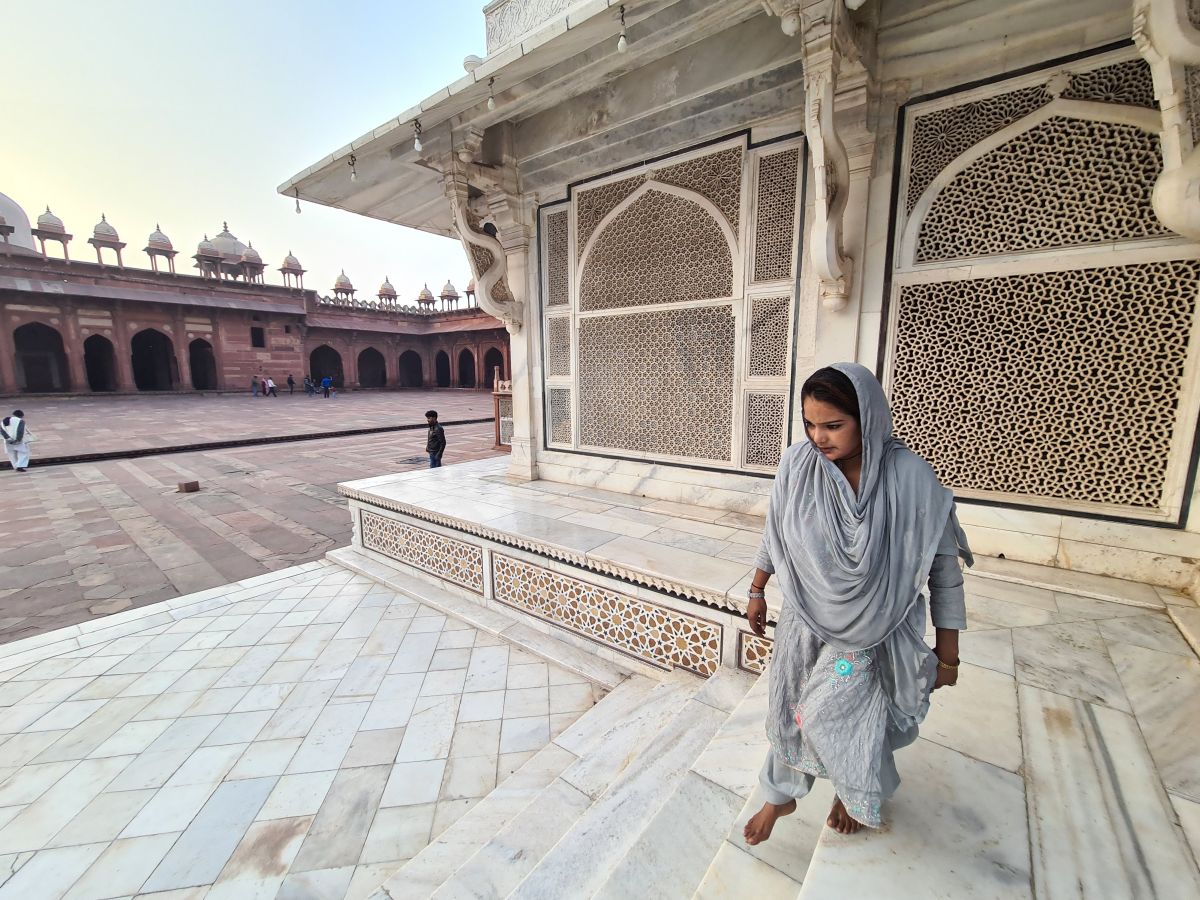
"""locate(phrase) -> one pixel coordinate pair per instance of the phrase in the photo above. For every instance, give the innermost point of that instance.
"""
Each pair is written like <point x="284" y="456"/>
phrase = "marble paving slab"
<point x="1070" y="659"/>
<point x="956" y="828"/>
<point x="1101" y="825"/>
<point x="1165" y="692"/>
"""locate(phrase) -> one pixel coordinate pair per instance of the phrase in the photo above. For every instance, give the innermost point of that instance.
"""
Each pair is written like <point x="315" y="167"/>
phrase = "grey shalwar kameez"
<point x="850" y="672"/>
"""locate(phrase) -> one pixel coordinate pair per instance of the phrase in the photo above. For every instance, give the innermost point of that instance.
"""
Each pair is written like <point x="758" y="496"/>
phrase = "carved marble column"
<point x="1167" y="33"/>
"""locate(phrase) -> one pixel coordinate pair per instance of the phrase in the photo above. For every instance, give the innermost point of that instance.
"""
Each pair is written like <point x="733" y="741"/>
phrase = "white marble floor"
<point x="301" y="740"/>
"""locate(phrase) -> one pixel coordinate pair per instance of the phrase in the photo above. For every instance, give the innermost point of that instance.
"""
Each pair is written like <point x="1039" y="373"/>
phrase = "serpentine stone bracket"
<point x="1167" y="34"/>
<point x="488" y="258"/>
<point x="828" y="40"/>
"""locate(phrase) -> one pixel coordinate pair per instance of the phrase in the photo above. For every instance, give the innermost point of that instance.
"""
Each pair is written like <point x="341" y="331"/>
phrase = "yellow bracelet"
<point x="942" y="665"/>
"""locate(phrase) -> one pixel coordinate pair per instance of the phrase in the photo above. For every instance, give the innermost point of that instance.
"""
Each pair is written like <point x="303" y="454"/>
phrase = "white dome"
<point x="291" y="263"/>
<point x="104" y="231"/>
<point x="251" y="255"/>
<point x="14" y="216"/>
<point x="228" y="245"/>
<point x="386" y="289"/>
<point x="471" y="286"/>
<point x="426" y="295"/>
<point x="158" y="240"/>
<point x="207" y="247"/>
<point x="448" y="292"/>
<point x="342" y="283"/>
<point x="48" y="221"/>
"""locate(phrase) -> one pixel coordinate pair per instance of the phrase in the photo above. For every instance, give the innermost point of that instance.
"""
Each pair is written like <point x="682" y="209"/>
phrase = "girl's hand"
<point x="756" y="615"/>
<point x="946" y="678"/>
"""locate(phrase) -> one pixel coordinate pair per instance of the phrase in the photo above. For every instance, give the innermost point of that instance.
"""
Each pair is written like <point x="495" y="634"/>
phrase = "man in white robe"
<point x="15" y="435"/>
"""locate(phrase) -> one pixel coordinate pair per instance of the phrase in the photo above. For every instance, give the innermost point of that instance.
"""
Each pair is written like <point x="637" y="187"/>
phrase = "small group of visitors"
<point x="267" y="386"/>
<point x="17" y="437"/>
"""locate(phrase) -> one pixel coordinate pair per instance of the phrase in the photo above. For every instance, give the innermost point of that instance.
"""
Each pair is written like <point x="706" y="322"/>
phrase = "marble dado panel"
<point x="455" y="561"/>
<point x="652" y="633"/>
<point x="754" y="652"/>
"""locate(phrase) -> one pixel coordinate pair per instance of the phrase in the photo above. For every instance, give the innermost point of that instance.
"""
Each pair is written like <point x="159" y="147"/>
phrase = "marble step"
<point x="1065" y="581"/>
<point x="730" y="764"/>
<point x="502" y="624"/>
<point x="587" y="855"/>
<point x="671" y="854"/>
<point x="428" y="870"/>
<point x="602" y="754"/>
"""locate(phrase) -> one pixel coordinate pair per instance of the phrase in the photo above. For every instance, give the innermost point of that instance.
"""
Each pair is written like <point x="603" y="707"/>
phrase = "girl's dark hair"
<point x="831" y="386"/>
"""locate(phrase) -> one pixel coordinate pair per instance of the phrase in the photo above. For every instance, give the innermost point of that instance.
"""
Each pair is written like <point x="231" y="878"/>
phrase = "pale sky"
<point x="188" y="113"/>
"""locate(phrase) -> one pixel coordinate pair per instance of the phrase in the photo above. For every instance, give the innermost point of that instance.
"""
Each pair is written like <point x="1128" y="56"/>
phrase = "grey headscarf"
<point x="854" y="565"/>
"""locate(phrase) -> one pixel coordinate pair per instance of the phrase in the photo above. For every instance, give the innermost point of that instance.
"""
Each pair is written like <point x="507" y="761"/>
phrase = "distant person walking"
<point x="435" y="444"/>
<point x="291" y="384"/>
<point x="326" y="384"/>
<point x="16" y="438"/>
<point x="254" y="384"/>
<point x="309" y="387"/>
<point x="270" y="387"/>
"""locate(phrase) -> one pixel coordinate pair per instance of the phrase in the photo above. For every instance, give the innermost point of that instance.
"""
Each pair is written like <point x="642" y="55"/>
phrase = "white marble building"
<point x="995" y="206"/>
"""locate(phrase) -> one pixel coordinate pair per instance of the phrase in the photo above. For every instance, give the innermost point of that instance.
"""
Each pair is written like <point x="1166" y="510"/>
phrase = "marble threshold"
<point x="698" y="552"/>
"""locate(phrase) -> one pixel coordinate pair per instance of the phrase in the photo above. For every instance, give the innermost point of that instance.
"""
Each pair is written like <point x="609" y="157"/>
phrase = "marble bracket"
<point x="1169" y="41"/>
<point x="829" y="42"/>
<point x="488" y="256"/>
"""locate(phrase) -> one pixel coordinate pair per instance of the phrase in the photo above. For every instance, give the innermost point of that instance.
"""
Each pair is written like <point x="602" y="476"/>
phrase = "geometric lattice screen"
<point x="1052" y="384"/>
<point x="672" y="338"/>
<point x="1034" y="376"/>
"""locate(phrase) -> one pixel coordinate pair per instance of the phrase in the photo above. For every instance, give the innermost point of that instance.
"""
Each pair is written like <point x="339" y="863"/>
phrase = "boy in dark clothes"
<point x="435" y="444"/>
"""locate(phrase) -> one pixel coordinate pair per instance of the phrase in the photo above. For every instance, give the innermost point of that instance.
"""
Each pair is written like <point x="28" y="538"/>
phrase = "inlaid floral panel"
<point x="663" y="248"/>
<point x="770" y="318"/>
<point x="557" y="259"/>
<point x="775" y="216"/>
<point x="658" y="382"/>
<point x="754" y="652"/>
<point x="1065" y="182"/>
<point x="436" y="554"/>
<point x="655" y="634"/>
<point x="764" y="428"/>
<point x="1058" y="385"/>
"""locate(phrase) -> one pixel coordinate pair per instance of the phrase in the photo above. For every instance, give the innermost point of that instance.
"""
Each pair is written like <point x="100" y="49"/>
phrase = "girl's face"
<point x="833" y="432"/>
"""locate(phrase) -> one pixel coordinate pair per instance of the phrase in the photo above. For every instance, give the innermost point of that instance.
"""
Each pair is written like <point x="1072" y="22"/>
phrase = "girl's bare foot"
<point x="840" y="820"/>
<point x="758" y="829"/>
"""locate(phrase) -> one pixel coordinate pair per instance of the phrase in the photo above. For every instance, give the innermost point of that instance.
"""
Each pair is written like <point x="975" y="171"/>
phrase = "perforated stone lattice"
<point x="764" y="428"/>
<point x="558" y="346"/>
<point x="557" y="261"/>
<point x="506" y="421"/>
<point x="656" y="634"/>
<point x="1059" y="385"/>
<point x="441" y="556"/>
<point x="769" y="320"/>
<point x="1192" y="94"/>
<point x="661" y="249"/>
<point x="560" y="416"/>
<point x="1063" y="183"/>
<point x="939" y="137"/>
<point x="673" y="366"/>
<point x="594" y="204"/>
<point x="775" y="216"/>
<point x="717" y="177"/>
<point x="1125" y="82"/>
<point x="754" y="652"/>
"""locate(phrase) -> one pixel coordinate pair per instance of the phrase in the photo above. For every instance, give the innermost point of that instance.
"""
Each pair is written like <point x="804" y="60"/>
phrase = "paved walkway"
<point x="89" y="539"/>
<point x="298" y="737"/>
<point x="66" y="426"/>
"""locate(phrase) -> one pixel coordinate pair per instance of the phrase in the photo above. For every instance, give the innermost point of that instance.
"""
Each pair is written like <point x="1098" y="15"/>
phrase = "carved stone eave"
<point x="1169" y="41"/>
<point x="829" y="42"/>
